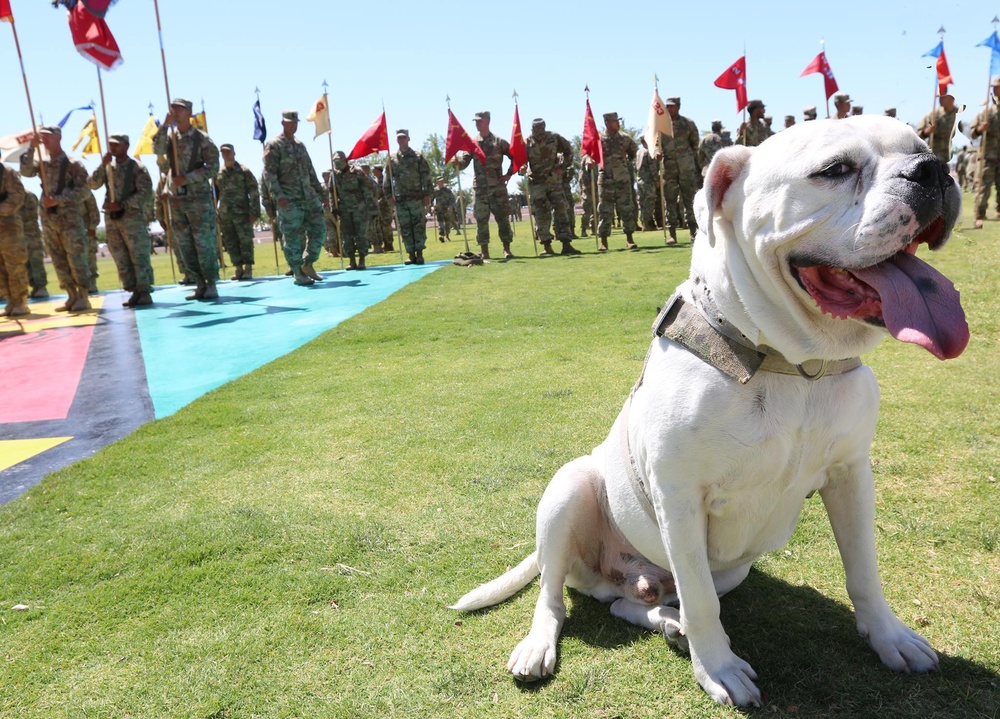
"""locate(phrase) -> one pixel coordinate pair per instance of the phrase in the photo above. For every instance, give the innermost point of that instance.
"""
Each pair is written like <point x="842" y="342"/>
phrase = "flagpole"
<point x="107" y="137"/>
<point x="461" y="198"/>
<point x="595" y="220"/>
<point x="333" y="181"/>
<point x="527" y="183"/>
<point x="660" y="170"/>
<point x="31" y="111"/>
<point x="935" y="99"/>
<point x="981" y="164"/>
<point x="388" y="170"/>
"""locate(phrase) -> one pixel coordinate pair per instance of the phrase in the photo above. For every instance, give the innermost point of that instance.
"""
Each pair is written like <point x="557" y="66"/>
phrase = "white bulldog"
<point x="753" y="398"/>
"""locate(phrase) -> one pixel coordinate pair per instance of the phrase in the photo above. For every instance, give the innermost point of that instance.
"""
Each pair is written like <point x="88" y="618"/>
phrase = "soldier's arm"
<point x="314" y="181"/>
<point x="97" y="178"/>
<point x="209" y="156"/>
<point x="426" y="187"/>
<point x="693" y="141"/>
<point x="566" y="150"/>
<point x="76" y="188"/>
<point x="13" y="194"/>
<point x="143" y="187"/>
<point x="253" y="193"/>
<point x="272" y="161"/>
<point x="29" y="168"/>
<point x="160" y="139"/>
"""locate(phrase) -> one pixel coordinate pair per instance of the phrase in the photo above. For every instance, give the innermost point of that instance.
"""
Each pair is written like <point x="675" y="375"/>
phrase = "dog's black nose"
<point x="925" y="170"/>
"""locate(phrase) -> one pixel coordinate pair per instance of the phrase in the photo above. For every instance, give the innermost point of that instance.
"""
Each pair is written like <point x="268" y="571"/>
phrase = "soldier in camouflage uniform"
<point x="374" y="234"/>
<point x="91" y="219"/>
<point x="988" y="161"/>
<point x="270" y="209"/>
<point x="549" y="156"/>
<point x="588" y="190"/>
<point x="490" y="185"/>
<point x="13" y="253"/>
<point x="292" y="182"/>
<point x="160" y="213"/>
<point x="614" y="182"/>
<point x="789" y="121"/>
<point x="647" y="171"/>
<point x="125" y="221"/>
<point x="239" y="208"/>
<point x="191" y="159"/>
<point x="62" y="221"/>
<point x="890" y="112"/>
<point x="37" y="277"/>
<point x="681" y="174"/>
<point x="965" y="167"/>
<point x="567" y="186"/>
<point x="353" y="208"/>
<point x="710" y="144"/>
<point x="332" y="242"/>
<point x="410" y="192"/>
<point x="444" y="209"/>
<point x="937" y="128"/>
<point x="384" y="236"/>
<point x="842" y="101"/>
<point x="753" y="132"/>
<point x="808" y="113"/>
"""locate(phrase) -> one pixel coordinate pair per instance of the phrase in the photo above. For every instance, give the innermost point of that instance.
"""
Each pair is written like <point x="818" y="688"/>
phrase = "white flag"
<point x="658" y="123"/>
<point x="320" y="114"/>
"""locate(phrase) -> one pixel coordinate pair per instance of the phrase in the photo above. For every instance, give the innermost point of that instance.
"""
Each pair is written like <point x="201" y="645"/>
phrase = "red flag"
<point x="5" y="12"/>
<point x="375" y="139"/>
<point x="518" y="150"/>
<point x="93" y="39"/>
<point x="458" y="139"/>
<point x="591" y="144"/>
<point x="819" y="64"/>
<point x="943" y="73"/>
<point x="735" y="78"/>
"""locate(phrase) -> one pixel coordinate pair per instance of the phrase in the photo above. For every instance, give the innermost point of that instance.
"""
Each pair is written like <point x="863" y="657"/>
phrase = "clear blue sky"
<point x="410" y="56"/>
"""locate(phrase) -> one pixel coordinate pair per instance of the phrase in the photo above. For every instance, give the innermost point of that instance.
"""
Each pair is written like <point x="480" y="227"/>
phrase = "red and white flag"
<point x="735" y="78"/>
<point x="93" y="38"/>
<point x="819" y="64"/>
<point x="6" y="15"/>
<point x="320" y="114"/>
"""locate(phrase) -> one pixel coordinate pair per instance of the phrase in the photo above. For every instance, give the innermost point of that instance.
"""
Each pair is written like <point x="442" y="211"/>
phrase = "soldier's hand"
<point x="179" y="180"/>
<point x="106" y="160"/>
<point x="49" y="201"/>
<point x="929" y="130"/>
<point x="169" y="118"/>
<point x="982" y="127"/>
<point x="115" y="206"/>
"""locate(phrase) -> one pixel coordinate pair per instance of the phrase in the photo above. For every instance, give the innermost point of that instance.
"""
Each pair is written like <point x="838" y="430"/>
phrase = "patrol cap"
<point x="673" y="101"/>
<point x="289" y="115"/>
<point x="857" y="110"/>
<point x="538" y="121"/>
<point x="755" y="105"/>
<point x="227" y="146"/>
<point x="403" y="133"/>
<point x="50" y="130"/>
<point x="482" y="115"/>
<point x="439" y="178"/>
<point x="809" y="111"/>
<point x="716" y="124"/>
<point x="120" y="139"/>
<point x="789" y="117"/>
<point x="611" y="117"/>
<point x="841" y="97"/>
<point x="181" y="102"/>
<point x="890" y="112"/>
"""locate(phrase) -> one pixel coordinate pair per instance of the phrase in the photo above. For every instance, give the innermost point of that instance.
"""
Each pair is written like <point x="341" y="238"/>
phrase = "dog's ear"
<point x="727" y="164"/>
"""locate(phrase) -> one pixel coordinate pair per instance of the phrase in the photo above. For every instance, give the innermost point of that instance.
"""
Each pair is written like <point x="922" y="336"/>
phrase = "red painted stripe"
<point x="41" y="372"/>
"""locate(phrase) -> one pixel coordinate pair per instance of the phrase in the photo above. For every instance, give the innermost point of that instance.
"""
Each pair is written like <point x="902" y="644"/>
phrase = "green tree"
<point x="433" y="151"/>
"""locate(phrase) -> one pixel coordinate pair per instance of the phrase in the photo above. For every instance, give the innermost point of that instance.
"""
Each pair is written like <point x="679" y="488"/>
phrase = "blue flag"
<point x="935" y="51"/>
<point x="259" y="128"/>
<point x="62" y="122"/>
<point x="993" y="42"/>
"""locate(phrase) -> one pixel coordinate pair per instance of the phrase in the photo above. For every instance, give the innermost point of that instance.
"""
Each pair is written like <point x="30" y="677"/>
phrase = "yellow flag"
<point x="89" y="133"/>
<point x="145" y="144"/>
<point x="320" y="114"/>
<point x="200" y="121"/>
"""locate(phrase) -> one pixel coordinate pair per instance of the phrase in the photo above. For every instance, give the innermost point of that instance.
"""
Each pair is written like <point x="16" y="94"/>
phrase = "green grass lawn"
<point x="285" y="546"/>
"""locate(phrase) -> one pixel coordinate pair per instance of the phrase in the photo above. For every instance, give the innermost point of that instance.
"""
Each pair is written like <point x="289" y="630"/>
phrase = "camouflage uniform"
<point x="944" y="123"/>
<point x="549" y="156"/>
<point x="588" y="186"/>
<point x="91" y="219"/>
<point x="681" y="174"/>
<point x="374" y="237"/>
<point x="411" y="187"/>
<point x="37" y="277"/>
<point x="128" y="235"/>
<point x="13" y="254"/>
<point x="239" y="207"/>
<point x="160" y="212"/>
<point x="444" y="210"/>
<point x="614" y="183"/>
<point x="490" y="189"/>
<point x="354" y="201"/>
<point x="648" y="181"/>
<point x="62" y="226"/>
<point x="707" y="147"/>
<point x="384" y="234"/>
<point x="988" y="175"/>
<point x="567" y="188"/>
<point x="289" y="175"/>
<point x="270" y="209"/>
<point x="332" y="241"/>
<point x="754" y="134"/>
<point x="192" y="207"/>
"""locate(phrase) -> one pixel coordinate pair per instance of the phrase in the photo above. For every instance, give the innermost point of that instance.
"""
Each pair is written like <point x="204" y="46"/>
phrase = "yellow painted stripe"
<point x="15" y="451"/>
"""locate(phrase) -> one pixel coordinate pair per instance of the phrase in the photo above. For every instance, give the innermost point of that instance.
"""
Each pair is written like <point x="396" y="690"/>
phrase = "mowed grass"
<point x="286" y="545"/>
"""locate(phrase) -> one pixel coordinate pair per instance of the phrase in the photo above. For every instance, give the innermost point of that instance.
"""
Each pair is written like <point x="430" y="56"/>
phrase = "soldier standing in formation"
<point x="332" y="242"/>
<point x="384" y="211"/>
<point x="648" y="181"/>
<point x="988" y="163"/>
<point x="374" y="234"/>
<point x="567" y="187"/>
<point x="125" y="221"/>
<point x="615" y="181"/>
<point x="588" y="186"/>
<point x="549" y="156"/>
<point x="681" y="176"/>
<point x="808" y="113"/>
<point x="13" y="252"/>
<point x="444" y="209"/>
<point x="353" y="209"/>
<point x="62" y="222"/>
<point x="91" y="219"/>
<point x="160" y="213"/>
<point x="297" y="192"/>
<point x="842" y="101"/>
<point x="37" y="277"/>
<point x="789" y="121"/>
<point x="890" y="112"/>
<point x="753" y="132"/>
<point x="410" y="192"/>
<point x="937" y="128"/>
<point x="239" y="208"/>
<point x="490" y="185"/>
<point x="191" y="160"/>
<point x="710" y="144"/>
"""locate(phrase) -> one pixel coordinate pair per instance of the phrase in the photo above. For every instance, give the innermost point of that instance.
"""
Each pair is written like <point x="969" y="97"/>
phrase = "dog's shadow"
<point x="809" y="657"/>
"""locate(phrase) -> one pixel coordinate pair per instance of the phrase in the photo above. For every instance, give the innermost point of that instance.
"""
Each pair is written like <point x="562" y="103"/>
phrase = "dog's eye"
<point x="834" y="170"/>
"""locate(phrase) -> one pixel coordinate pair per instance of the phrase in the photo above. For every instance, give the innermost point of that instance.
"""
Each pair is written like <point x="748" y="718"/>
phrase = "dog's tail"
<point x="501" y="588"/>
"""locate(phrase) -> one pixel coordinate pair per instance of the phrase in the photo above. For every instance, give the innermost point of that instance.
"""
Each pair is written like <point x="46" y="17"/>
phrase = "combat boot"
<point x="604" y="245"/>
<point x="411" y="257"/>
<point x="70" y="300"/>
<point x="199" y="291"/>
<point x="39" y="292"/>
<point x="673" y="236"/>
<point x="361" y="263"/>
<point x="387" y="246"/>
<point x="247" y="272"/>
<point x="352" y="264"/>
<point x="92" y="289"/>
<point x="419" y="260"/>
<point x="302" y="279"/>
<point x="546" y="249"/>
<point x="17" y="308"/>
<point x="628" y="242"/>
<point x="308" y="271"/>
<point x="507" y="254"/>
<point x="130" y="302"/>
<point x="377" y="249"/>
<point x="568" y="249"/>
<point x="238" y="272"/>
<point x="143" y="298"/>
<point x="484" y="250"/>
<point x="211" y="292"/>
<point x="82" y="301"/>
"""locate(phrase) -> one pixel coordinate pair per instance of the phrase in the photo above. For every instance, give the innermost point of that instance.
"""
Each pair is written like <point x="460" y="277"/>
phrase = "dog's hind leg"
<point x="660" y="618"/>
<point x="568" y="540"/>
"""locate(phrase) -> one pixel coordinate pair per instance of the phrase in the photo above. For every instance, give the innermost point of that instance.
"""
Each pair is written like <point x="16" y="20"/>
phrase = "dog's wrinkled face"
<point x="819" y="228"/>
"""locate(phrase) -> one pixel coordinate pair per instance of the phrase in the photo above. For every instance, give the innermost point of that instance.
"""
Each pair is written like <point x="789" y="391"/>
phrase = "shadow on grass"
<point x="809" y="657"/>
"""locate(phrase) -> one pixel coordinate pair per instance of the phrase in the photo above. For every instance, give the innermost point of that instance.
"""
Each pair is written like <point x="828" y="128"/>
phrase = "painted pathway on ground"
<point x="71" y="384"/>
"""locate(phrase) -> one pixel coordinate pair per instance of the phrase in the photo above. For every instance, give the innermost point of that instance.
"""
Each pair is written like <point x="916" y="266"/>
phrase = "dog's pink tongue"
<point x="919" y="304"/>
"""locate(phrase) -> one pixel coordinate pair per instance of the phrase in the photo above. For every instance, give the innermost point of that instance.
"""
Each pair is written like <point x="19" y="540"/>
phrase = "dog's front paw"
<point x="900" y="648"/>
<point x="729" y="680"/>
<point x="532" y="659"/>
